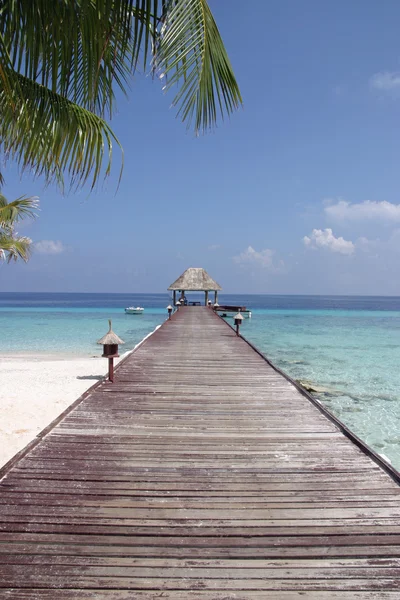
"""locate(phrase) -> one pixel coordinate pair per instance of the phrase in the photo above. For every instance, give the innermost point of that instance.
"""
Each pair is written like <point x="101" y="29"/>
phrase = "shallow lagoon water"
<point x="350" y="346"/>
<point x="354" y="356"/>
<point x="71" y="324"/>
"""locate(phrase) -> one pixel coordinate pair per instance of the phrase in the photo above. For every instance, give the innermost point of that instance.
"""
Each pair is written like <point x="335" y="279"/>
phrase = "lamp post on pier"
<point x="110" y="343"/>
<point x="238" y="322"/>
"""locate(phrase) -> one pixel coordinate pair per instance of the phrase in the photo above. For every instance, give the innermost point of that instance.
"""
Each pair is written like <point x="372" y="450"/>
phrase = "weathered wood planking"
<point x="201" y="473"/>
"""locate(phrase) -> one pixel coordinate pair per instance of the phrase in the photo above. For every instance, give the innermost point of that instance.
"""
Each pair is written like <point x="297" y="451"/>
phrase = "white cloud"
<point x="325" y="239"/>
<point x="264" y="258"/>
<point x="214" y="247"/>
<point x="384" y="211"/>
<point x="49" y="247"/>
<point x="386" y="81"/>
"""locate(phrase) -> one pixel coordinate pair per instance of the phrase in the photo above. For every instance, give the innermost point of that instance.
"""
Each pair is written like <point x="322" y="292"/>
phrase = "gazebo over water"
<point x="195" y="280"/>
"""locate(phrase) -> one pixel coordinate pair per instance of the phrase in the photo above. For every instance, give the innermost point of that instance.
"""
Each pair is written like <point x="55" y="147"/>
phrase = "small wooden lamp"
<point x="110" y="343"/>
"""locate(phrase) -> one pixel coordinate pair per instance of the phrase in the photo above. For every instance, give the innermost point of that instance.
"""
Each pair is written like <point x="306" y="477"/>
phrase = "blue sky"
<point x="297" y="193"/>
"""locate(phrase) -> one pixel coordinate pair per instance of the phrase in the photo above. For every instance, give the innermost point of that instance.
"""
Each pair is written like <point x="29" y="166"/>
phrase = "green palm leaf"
<point x="13" y="248"/>
<point x="191" y="54"/>
<point x="76" y="48"/>
<point x="61" y="60"/>
<point x="11" y="212"/>
<point x="45" y="131"/>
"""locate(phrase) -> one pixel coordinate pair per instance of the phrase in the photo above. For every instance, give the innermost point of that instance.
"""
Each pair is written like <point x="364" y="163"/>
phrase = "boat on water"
<point x="231" y="311"/>
<point x="134" y="310"/>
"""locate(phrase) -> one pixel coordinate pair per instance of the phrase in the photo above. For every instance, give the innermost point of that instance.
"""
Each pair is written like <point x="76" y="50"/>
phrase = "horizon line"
<point x="221" y="293"/>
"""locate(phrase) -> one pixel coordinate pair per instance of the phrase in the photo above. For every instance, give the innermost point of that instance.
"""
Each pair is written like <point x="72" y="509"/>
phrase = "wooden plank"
<point x="200" y="471"/>
<point x="316" y="548"/>
<point x="110" y="578"/>
<point x="224" y="567"/>
<point x="73" y="594"/>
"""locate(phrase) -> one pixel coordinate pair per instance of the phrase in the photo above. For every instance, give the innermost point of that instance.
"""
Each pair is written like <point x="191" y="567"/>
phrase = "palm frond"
<point x="11" y="212"/>
<point x="52" y="135"/>
<point x="190" y="53"/>
<point x="14" y="248"/>
<point x="61" y="60"/>
<point x="79" y="49"/>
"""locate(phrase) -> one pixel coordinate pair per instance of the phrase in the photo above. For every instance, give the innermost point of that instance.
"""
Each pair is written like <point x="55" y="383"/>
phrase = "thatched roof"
<point x="110" y="337"/>
<point x="195" y="280"/>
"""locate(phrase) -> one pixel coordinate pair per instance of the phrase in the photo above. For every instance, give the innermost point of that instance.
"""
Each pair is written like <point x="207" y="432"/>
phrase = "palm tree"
<point x="61" y="61"/>
<point x="12" y="246"/>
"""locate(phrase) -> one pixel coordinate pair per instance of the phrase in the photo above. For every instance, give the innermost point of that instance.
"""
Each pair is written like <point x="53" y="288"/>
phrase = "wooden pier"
<point x="201" y="473"/>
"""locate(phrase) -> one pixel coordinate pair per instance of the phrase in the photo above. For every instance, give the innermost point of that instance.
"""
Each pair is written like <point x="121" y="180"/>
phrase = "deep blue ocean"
<point x="347" y="347"/>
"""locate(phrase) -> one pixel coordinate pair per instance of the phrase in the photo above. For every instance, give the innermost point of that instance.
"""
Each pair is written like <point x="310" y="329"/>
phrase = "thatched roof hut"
<point x="195" y="280"/>
<point x="110" y="337"/>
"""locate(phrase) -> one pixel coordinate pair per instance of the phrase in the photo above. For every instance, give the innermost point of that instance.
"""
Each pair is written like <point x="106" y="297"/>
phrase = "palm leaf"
<point x="11" y="212"/>
<point x="45" y="131"/>
<point x="191" y="54"/>
<point x="60" y="61"/>
<point x="81" y="48"/>
<point x="77" y="49"/>
<point x="13" y="248"/>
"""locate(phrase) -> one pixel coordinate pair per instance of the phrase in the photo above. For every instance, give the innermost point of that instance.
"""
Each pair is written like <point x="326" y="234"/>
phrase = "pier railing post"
<point x="238" y="322"/>
<point x="111" y="369"/>
<point x="110" y="344"/>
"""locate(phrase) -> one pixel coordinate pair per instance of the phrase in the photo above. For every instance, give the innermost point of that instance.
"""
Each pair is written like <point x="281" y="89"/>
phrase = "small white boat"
<point x="134" y="310"/>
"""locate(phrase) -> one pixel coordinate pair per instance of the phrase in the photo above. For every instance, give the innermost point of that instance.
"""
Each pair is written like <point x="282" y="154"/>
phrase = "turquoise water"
<point x="350" y="347"/>
<point x="71" y="331"/>
<point x="353" y="355"/>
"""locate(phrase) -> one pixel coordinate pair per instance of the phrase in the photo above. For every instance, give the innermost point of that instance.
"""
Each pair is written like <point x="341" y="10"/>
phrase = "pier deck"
<point x="201" y="473"/>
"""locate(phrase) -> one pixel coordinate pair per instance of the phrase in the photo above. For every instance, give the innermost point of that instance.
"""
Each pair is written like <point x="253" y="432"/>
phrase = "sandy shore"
<point x="35" y="390"/>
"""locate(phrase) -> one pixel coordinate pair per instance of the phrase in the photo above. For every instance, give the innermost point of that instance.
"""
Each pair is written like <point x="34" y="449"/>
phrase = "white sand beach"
<point x="34" y="390"/>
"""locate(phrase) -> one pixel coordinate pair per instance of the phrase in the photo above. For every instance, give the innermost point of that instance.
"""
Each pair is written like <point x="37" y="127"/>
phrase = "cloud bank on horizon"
<point x="378" y="254"/>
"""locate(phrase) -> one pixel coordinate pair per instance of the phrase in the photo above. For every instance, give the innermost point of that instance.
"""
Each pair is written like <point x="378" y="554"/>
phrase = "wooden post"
<point x="215" y="297"/>
<point x="111" y="369"/>
<point x="206" y="301"/>
<point x="174" y="302"/>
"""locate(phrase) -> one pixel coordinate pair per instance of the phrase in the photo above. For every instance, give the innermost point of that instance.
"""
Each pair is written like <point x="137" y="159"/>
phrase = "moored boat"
<point x="134" y="310"/>
<point x="231" y="311"/>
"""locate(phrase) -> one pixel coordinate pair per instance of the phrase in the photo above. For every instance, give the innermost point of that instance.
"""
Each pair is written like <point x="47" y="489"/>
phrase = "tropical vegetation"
<point x="13" y="246"/>
<point x="62" y="61"/>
